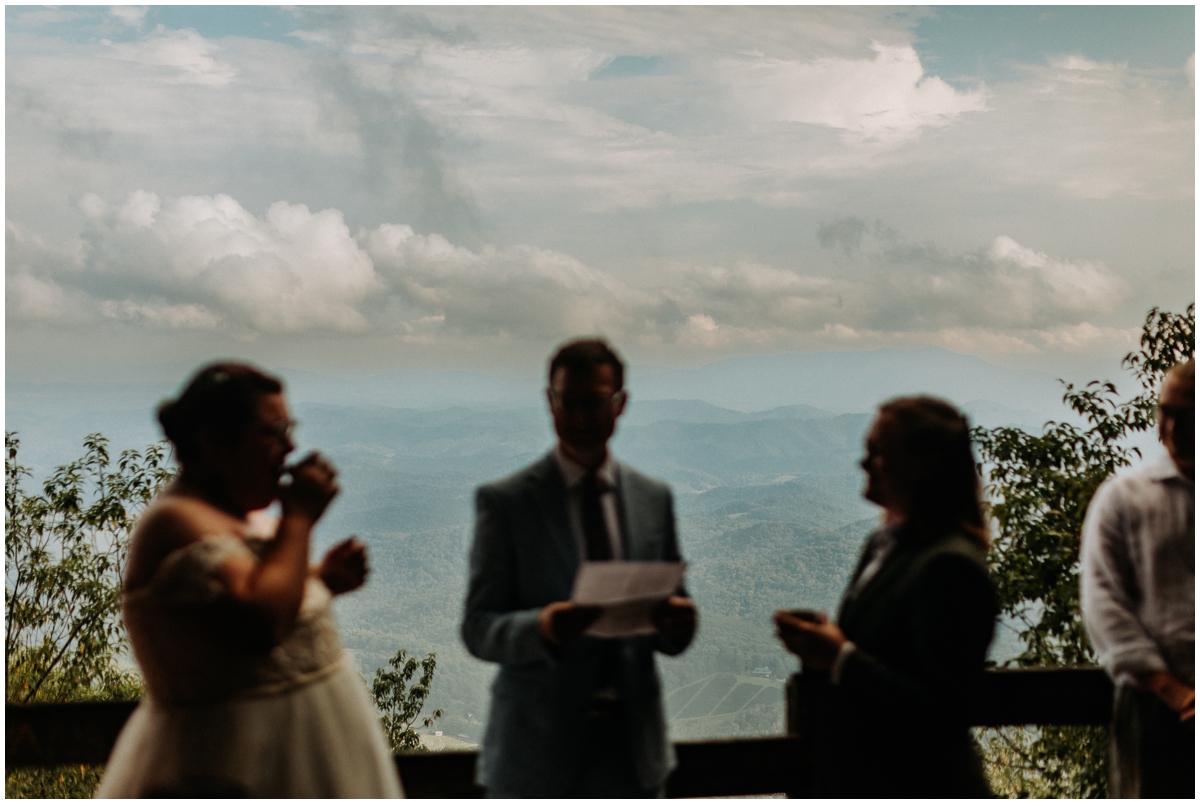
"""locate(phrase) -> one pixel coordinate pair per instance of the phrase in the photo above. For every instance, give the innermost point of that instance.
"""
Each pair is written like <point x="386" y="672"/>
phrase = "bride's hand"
<point x="344" y="567"/>
<point x="313" y="486"/>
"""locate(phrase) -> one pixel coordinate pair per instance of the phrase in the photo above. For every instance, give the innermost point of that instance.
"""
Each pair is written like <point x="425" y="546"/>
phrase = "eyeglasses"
<point x="586" y="403"/>
<point x="281" y="430"/>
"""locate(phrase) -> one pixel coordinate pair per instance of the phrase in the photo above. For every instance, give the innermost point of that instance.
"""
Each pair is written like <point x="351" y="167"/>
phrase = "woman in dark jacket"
<point x="895" y="673"/>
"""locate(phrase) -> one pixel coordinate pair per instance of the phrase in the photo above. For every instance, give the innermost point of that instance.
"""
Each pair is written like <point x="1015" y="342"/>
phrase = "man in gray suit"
<point x="572" y="715"/>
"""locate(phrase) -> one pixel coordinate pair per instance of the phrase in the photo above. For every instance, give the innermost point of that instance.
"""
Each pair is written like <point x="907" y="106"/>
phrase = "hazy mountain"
<point x="54" y="417"/>
<point x="854" y="382"/>
<point x="692" y="411"/>
<point x="762" y="454"/>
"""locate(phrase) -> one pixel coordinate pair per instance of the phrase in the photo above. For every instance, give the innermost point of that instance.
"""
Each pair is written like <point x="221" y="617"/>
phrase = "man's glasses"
<point x="586" y="403"/>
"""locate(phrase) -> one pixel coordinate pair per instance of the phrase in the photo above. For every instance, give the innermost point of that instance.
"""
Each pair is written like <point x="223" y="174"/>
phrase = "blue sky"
<point x="956" y="41"/>
<point x="358" y="189"/>
<point x="987" y="41"/>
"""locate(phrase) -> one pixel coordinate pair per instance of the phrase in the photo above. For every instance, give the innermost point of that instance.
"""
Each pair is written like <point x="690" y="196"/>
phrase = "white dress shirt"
<point x="606" y="474"/>
<point x="1137" y="573"/>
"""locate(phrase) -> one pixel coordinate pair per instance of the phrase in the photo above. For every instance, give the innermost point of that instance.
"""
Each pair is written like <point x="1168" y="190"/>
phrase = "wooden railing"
<point x="84" y="733"/>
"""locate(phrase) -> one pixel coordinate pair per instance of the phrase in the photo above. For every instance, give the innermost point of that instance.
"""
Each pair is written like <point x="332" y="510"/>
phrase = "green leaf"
<point x="400" y="702"/>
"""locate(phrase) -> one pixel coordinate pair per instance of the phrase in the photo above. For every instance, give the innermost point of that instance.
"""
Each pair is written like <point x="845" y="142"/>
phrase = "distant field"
<point x="447" y="742"/>
<point x="727" y="704"/>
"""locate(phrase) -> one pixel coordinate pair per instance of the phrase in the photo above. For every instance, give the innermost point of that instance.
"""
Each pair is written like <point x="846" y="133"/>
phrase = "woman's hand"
<point x="311" y="489"/>
<point x="816" y="643"/>
<point x="344" y="567"/>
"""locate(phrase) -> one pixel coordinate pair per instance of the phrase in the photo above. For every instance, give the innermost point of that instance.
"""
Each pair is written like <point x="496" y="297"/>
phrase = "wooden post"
<point x="800" y="697"/>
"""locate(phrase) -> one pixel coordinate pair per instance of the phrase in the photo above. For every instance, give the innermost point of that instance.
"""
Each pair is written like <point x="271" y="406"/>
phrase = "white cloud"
<point x="888" y="96"/>
<point x="522" y="292"/>
<point x="133" y="16"/>
<point x="1075" y="62"/>
<point x="154" y="315"/>
<point x="30" y="298"/>
<point x="1074" y="286"/>
<point x="207" y="263"/>
<point x="1092" y="131"/>
<point x="679" y="207"/>
<point x="899" y="288"/>
<point x="183" y="57"/>
<point x="194" y="260"/>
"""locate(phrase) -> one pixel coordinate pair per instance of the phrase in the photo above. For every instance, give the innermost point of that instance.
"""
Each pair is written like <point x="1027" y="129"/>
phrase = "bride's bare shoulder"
<point x="171" y="522"/>
<point x="177" y="517"/>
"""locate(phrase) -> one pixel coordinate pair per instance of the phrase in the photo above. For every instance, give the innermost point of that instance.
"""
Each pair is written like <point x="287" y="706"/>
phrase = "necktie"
<point x="595" y="532"/>
<point x="599" y="548"/>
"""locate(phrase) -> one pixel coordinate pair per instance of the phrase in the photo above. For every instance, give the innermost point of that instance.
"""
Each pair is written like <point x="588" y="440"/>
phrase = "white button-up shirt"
<point x="1137" y="573"/>
<point x="574" y="474"/>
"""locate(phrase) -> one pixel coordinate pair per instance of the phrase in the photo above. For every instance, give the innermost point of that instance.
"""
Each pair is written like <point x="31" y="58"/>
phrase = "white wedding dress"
<point x="292" y="722"/>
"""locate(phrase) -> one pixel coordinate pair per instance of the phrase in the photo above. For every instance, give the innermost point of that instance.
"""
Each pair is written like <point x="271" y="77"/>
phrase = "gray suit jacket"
<point x="524" y="557"/>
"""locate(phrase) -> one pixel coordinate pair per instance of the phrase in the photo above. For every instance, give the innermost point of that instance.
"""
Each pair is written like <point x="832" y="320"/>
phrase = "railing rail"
<point x="44" y="735"/>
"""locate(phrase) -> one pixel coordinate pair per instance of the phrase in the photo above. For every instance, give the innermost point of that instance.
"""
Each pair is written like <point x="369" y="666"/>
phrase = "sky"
<point x="359" y="190"/>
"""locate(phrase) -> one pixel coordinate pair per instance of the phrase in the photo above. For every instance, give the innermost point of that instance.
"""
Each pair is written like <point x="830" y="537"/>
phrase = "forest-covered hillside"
<point x="769" y="516"/>
<point x="768" y="503"/>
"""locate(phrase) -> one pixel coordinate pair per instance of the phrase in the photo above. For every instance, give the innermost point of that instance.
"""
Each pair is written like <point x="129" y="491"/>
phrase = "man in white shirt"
<point x="1138" y="594"/>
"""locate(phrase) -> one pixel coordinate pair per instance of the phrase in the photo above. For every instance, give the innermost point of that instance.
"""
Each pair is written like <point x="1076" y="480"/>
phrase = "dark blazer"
<point x="524" y="557"/>
<point x="896" y="725"/>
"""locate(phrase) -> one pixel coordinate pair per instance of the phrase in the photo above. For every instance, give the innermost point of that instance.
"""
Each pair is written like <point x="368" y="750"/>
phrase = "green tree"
<point x="64" y="555"/>
<point x="400" y="702"/>
<point x="1039" y="487"/>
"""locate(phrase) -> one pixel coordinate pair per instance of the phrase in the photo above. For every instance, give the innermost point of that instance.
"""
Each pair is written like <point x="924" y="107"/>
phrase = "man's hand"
<point x="563" y="621"/>
<point x="344" y="567"/>
<point x="1174" y="693"/>
<point x="817" y="644"/>
<point x="675" y="618"/>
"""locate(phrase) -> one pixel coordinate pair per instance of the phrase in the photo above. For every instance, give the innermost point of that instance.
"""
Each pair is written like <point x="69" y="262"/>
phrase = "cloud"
<point x="1081" y="287"/>
<point x="886" y="97"/>
<point x="1075" y="62"/>
<point x="183" y="57"/>
<point x="196" y="261"/>
<point x="847" y="233"/>
<point x="897" y="287"/>
<point x="202" y="262"/>
<point x="133" y="16"/>
<point x="454" y="121"/>
<point x="520" y="292"/>
<point x="207" y="263"/>
<point x="156" y="314"/>
<point x="31" y="298"/>
<point x="1091" y="130"/>
<point x="466" y="181"/>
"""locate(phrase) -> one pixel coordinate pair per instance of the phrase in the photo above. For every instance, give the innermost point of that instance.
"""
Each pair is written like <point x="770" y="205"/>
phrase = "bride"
<point x="247" y="688"/>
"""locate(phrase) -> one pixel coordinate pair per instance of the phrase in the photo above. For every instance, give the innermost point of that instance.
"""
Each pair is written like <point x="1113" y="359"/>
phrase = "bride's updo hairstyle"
<point x="927" y="445"/>
<point x="220" y="397"/>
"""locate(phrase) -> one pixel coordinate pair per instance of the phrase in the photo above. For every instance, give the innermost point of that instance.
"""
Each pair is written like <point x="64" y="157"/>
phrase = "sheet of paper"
<point x="626" y="591"/>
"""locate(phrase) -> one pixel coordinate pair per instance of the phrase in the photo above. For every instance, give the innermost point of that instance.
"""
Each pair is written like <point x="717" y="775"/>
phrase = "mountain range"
<point x="761" y="453"/>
